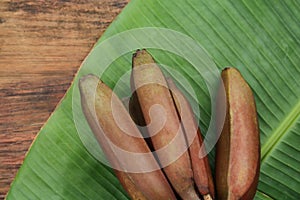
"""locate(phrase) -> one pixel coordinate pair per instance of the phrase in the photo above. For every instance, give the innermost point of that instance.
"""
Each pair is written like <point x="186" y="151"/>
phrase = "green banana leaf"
<point x="259" y="37"/>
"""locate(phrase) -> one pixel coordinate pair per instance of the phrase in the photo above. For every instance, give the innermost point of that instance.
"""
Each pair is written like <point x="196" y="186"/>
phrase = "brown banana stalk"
<point x="238" y="148"/>
<point x="155" y="100"/>
<point x="200" y="165"/>
<point x="97" y="107"/>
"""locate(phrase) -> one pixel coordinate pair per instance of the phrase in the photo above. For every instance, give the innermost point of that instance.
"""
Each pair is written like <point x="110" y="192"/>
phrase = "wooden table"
<point x="42" y="44"/>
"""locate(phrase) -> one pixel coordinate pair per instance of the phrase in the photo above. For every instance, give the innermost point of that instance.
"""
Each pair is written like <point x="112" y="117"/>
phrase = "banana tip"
<point x="85" y="77"/>
<point x="139" y="52"/>
<point x="230" y="70"/>
<point x="88" y="81"/>
<point x="207" y="197"/>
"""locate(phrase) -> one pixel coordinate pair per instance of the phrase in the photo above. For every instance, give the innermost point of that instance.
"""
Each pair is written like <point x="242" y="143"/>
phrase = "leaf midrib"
<point x="280" y="131"/>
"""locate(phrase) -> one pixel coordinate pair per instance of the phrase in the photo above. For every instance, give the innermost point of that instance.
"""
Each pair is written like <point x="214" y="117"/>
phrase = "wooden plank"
<point x="42" y="44"/>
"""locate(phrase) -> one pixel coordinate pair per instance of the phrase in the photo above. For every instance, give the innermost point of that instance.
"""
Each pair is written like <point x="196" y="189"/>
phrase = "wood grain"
<point x="42" y="44"/>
